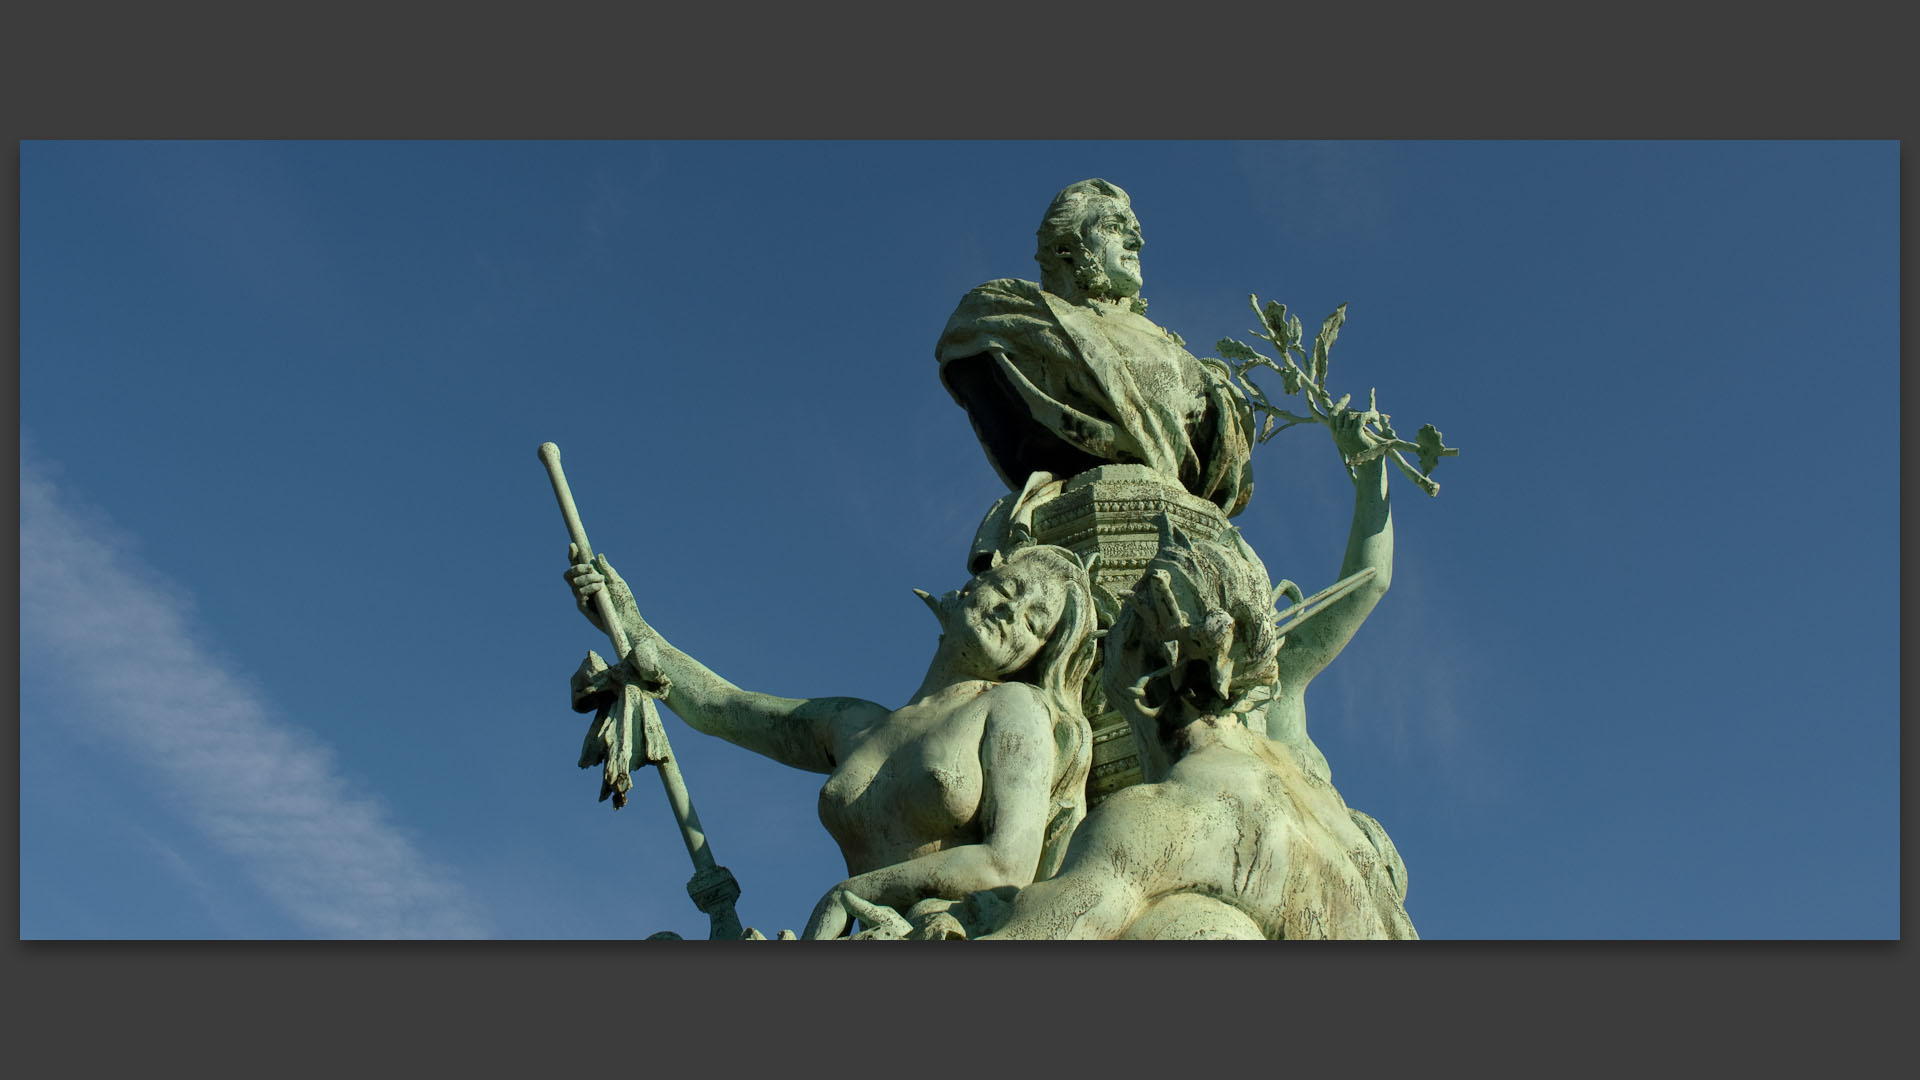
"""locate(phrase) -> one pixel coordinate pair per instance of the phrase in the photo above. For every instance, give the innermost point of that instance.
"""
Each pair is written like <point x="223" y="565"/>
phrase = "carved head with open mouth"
<point x="1195" y="639"/>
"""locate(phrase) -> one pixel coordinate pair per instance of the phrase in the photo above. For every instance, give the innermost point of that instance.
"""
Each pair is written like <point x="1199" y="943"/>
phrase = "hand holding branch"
<point x="1360" y="435"/>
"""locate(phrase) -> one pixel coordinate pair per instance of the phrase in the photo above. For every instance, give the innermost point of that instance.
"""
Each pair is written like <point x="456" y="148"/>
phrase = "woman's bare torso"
<point x="911" y="784"/>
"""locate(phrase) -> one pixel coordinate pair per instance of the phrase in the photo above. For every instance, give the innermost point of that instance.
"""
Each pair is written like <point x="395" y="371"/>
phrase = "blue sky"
<point x="294" y="641"/>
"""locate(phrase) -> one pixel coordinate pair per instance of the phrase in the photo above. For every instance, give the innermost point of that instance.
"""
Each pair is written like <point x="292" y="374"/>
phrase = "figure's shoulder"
<point x="1017" y="703"/>
<point x="1010" y="288"/>
<point x="1003" y="295"/>
<point x="1006" y="315"/>
<point x="1004" y="311"/>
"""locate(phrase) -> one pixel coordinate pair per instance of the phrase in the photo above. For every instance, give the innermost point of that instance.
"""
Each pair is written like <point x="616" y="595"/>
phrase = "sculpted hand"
<point x="1366" y="435"/>
<point x="836" y="910"/>
<point x="588" y="580"/>
<point x="1353" y="434"/>
<point x="829" y="918"/>
<point x="881" y="922"/>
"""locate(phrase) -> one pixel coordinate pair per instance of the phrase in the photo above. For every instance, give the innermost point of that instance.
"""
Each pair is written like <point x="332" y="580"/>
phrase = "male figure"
<point x="1068" y="374"/>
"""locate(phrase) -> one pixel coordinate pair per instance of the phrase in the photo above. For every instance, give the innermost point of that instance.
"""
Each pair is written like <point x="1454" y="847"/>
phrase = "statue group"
<point x="1110" y="740"/>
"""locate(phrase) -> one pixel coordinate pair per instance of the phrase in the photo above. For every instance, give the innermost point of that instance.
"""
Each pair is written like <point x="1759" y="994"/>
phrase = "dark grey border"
<point x="1346" y="71"/>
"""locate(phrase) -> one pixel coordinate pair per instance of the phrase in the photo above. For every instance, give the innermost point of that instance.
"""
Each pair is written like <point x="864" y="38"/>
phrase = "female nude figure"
<point x="976" y="783"/>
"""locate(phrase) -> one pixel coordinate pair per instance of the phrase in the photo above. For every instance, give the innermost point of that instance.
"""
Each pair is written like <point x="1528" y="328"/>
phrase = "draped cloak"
<point x="1060" y="387"/>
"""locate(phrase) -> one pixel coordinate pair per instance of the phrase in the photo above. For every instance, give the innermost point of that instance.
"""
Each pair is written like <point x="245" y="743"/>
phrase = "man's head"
<point x="1089" y="243"/>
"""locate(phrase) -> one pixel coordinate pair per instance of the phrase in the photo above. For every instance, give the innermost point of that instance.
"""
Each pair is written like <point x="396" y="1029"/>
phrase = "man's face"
<point x="1114" y="240"/>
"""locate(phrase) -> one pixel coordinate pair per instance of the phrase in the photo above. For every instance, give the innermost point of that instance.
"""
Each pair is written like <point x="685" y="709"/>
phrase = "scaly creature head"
<point x="1195" y="639"/>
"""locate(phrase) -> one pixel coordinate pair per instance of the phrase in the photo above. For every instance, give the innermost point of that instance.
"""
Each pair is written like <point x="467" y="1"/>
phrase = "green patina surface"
<point x="1110" y="740"/>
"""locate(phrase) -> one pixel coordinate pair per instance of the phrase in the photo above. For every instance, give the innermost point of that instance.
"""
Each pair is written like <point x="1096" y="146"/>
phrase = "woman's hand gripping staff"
<point x="610" y="742"/>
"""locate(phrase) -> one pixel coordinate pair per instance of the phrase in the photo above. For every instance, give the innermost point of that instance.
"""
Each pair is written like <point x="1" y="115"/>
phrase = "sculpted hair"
<point x="1067" y="265"/>
<point x="1060" y="673"/>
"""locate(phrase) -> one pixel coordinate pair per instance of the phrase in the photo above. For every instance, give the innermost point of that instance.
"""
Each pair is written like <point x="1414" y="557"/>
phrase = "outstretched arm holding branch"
<point x="1283" y="332"/>
<point x="1366" y="441"/>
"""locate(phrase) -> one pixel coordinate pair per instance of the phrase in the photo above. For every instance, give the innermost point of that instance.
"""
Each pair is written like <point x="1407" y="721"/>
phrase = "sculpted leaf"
<point x="1330" y="329"/>
<point x="1234" y="350"/>
<point x="1275" y="316"/>
<point x="1308" y="378"/>
<point x="1323" y="342"/>
<point x="1432" y="449"/>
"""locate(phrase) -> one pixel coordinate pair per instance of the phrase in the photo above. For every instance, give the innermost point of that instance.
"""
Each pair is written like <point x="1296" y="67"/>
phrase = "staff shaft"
<point x="691" y="831"/>
<point x="550" y="456"/>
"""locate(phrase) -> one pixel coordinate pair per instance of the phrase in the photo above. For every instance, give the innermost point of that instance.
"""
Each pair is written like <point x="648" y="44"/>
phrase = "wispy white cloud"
<point x="254" y="785"/>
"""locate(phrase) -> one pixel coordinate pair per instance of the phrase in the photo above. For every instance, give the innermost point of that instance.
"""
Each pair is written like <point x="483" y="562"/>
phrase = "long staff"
<point x="713" y="887"/>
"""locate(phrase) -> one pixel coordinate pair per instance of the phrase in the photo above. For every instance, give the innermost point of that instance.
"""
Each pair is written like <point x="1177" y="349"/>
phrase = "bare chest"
<point x="911" y="786"/>
<point x="1284" y="849"/>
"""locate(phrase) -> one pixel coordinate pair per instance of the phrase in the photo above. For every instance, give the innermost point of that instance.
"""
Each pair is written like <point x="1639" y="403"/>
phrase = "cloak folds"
<point x="1052" y="386"/>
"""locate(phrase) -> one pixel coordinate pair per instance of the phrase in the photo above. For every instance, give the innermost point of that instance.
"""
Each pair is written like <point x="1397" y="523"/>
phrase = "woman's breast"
<point x="886" y="804"/>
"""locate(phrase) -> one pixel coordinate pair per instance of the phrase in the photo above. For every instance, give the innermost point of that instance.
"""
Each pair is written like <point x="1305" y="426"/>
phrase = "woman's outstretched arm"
<point x="1313" y="645"/>
<point x="799" y="732"/>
